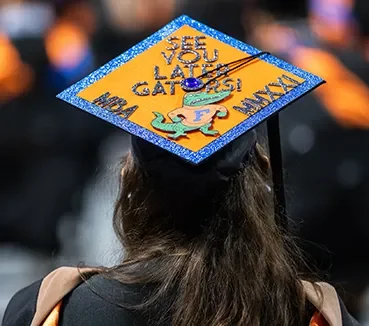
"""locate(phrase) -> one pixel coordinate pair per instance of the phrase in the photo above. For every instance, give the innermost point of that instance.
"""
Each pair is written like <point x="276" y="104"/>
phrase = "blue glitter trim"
<point x="70" y="94"/>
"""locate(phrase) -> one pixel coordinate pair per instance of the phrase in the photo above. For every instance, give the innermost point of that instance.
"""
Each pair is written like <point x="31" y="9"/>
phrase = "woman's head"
<point x="212" y="244"/>
<point x="161" y="193"/>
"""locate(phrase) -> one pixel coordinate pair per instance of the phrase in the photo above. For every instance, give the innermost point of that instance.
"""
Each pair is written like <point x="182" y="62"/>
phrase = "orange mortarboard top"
<point x="190" y="89"/>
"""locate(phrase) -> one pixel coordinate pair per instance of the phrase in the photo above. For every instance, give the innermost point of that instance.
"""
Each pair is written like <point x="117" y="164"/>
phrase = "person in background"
<point x="48" y="151"/>
<point x="328" y="131"/>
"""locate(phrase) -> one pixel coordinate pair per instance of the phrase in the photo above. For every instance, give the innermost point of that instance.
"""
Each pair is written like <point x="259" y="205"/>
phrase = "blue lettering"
<point x="200" y="113"/>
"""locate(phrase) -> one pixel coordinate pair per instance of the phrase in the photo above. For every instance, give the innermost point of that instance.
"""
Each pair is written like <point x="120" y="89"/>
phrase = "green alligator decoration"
<point x="197" y="113"/>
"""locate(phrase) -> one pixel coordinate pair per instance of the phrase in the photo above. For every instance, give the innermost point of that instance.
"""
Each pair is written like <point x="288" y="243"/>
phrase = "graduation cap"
<point x="193" y="91"/>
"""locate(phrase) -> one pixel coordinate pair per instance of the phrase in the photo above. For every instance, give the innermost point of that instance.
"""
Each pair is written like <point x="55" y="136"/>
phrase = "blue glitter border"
<point x="70" y="95"/>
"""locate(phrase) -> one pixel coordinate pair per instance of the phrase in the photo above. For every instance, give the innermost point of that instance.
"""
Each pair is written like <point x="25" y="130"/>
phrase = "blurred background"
<point x="59" y="165"/>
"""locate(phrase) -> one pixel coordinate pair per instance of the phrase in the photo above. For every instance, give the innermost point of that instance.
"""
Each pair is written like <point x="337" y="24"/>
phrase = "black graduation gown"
<point x="96" y="303"/>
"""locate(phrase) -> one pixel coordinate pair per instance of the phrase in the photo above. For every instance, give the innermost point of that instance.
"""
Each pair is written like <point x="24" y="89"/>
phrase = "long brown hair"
<point x="218" y="257"/>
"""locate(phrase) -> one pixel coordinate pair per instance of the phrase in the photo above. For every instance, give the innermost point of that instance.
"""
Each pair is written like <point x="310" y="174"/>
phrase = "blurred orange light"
<point x="15" y="77"/>
<point x="66" y="45"/>
<point x="19" y="82"/>
<point x="345" y="95"/>
<point x="9" y="58"/>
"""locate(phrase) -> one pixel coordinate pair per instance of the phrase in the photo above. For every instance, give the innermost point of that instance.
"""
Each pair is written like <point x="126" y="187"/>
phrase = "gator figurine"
<point x="197" y="113"/>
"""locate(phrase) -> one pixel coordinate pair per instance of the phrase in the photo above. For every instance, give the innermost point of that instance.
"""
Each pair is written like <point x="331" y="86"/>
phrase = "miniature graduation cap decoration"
<point x="192" y="90"/>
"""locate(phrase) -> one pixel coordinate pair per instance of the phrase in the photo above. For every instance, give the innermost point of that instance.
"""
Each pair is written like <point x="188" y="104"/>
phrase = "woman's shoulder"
<point x="36" y="300"/>
<point x="110" y="293"/>
<point x="101" y="301"/>
<point x="326" y="300"/>
<point x="97" y="301"/>
<point x="22" y="306"/>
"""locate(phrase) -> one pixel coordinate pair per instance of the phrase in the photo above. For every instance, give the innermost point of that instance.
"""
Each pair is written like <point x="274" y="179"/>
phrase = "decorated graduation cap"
<point x="196" y="93"/>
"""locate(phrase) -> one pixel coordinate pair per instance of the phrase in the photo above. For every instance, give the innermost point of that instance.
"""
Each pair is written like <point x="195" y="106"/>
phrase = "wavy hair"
<point x="217" y="257"/>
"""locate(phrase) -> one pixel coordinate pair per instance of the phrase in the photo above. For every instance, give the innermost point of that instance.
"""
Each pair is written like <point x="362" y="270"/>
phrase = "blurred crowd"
<point x="49" y="150"/>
